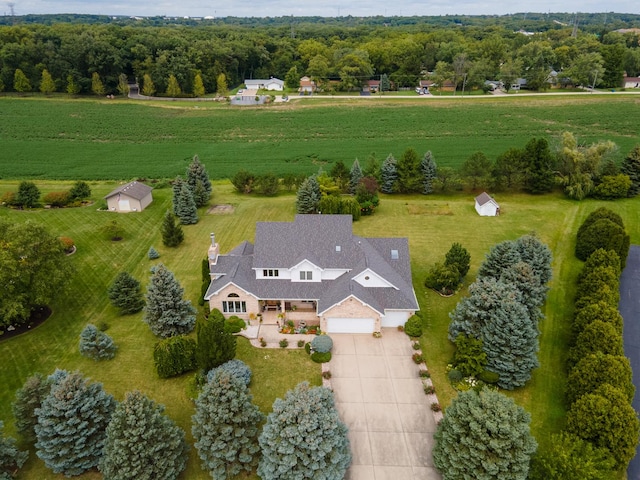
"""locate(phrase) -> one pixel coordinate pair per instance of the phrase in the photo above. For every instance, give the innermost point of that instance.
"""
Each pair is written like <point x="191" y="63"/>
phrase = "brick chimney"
<point x="214" y="250"/>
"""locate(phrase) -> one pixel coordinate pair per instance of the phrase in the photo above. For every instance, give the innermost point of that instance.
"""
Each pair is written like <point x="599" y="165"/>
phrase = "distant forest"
<point x="84" y="54"/>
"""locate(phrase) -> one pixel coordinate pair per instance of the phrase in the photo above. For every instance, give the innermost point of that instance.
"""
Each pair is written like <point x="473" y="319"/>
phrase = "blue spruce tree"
<point x="96" y="345"/>
<point x="143" y="443"/>
<point x="308" y="196"/>
<point x="388" y="174"/>
<point x="428" y="169"/>
<point x="72" y="421"/>
<point x="355" y="176"/>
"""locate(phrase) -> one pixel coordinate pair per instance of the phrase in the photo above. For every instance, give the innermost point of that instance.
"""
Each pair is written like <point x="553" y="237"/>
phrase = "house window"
<point x="234" y="306"/>
<point x="270" y="273"/>
<point x="233" y="295"/>
<point x="306" y="275"/>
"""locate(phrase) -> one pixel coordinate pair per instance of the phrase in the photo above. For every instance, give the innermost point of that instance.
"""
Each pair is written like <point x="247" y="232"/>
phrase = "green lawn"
<point x="431" y="223"/>
<point x="62" y="138"/>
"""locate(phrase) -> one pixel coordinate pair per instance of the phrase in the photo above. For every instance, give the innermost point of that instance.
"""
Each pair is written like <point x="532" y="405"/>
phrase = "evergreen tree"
<point x="73" y="88"/>
<point x="596" y="369"/>
<point x="539" y="177"/>
<point x="153" y="253"/>
<point x="97" y="87"/>
<point x="11" y="459"/>
<point x="199" y="183"/>
<point x="80" y="191"/>
<point x="385" y="84"/>
<point x="143" y="443"/>
<point x="96" y="344"/>
<point x="459" y="257"/>
<point x="125" y="294"/>
<point x="340" y="174"/>
<point x="304" y="437"/>
<point x="476" y="169"/>
<point x="198" y="86"/>
<point x="28" y="194"/>
<point x="225" y="426"/>
<point x="501" y="256"/>
<point x="596" y="337"/>
<point x="28" y="398"/>
<point x="537" y="255"/>
<point x="21" y="83"/>
<point x="484" y="436"/>
<point x="173" y="87"/>
<point x="308" y="196"/>
<point x="47" y="84"/>
<point x="605" y="418"/>
<point x="172" y="234"/>
<point x="167" y="313"/>
<point x="428" y="169"/>
<point x="148" y="87"/>
<point x="71" y="424"/>
<point x="355" y="175"/>
<point x="408" y="170"/>
<point x="631" y="168"/>
<point x="185" y="206"/>
<point x="388" y="175"/>
<point x="215" y="345"/>
<point x="223" y="88"/>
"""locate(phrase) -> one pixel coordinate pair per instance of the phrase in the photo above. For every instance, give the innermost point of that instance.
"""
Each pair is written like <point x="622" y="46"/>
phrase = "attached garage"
<point x="394" y="318"/>
<point x="350" y="325"/>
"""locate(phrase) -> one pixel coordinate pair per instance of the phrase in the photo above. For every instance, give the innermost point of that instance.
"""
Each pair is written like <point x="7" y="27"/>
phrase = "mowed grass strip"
<point x="121" y="139"/>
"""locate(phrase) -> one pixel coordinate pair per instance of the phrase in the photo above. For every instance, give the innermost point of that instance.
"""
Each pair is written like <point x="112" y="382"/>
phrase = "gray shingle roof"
<point x="133" y="189"/>
<point x="314" y="237"/>
<point x="483" y="198"/>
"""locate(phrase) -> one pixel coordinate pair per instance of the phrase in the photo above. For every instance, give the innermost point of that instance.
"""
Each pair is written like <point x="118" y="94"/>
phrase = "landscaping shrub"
<point x="597" y="336"/>
<point x="321" y="357"/>
<point x="284" y="343"/>
<point x="612" y="186"/>
<point x="80" y="191"/>
<point x="597" y="369"/>
<point x="326" y="375"/>
<point x="174" y="356"/>
<point x="602" y="311"/>
<point x="488" y="377"/>
<point x="301" y="343"/>
<point x="8" y="199"/>
<point x="429" y="389"/>
<point x="96" y="344"/>
<point x="153" y="253"/>
<point x="234" y="324"/>
<point x="443" y="278"/>
<point x="67" y="244"/>
<point x="435" y="407"/>
<point x="469" y="358"/>
<point x="307" y="348"/>
<point x="602" y="229"/>
<point x="424" y="374"/>
<point x="413" y="326"/>
<point x="57" y="199"/>
<point x="322" y="343"/>
<point x="454" y="376"/>
<point x="417" y="358"/>
<point x="235" y="367"/>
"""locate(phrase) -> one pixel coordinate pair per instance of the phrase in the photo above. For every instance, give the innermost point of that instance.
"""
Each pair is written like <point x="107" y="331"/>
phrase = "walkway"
<point x="630" y="311"/>
<point x="380" y="397"/>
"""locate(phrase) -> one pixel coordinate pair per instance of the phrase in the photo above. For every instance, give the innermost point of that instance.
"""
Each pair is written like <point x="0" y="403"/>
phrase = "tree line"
<point x="101" y="58"/>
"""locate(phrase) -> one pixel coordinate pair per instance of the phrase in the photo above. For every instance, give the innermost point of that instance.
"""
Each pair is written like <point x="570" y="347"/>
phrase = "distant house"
<point x="487" y="206"/>
<point x="307" y="85"/>
<point x="271" y="84"/>
<point x="371" y="86"/>
<point x="132" y="197"/>
<point x="631" y="82"/>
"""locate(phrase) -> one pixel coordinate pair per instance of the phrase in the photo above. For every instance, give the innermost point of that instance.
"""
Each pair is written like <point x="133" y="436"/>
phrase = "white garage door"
<point x="393" y="319"/>
<point x="350" y="325"/>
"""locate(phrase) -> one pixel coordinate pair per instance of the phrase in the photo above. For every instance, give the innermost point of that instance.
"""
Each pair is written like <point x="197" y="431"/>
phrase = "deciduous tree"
<point x="167" y="313"/>
<point x="476" y="169"/>
<point x="28" y="194"/>
<point x="97" y="87"/>
<point x="26" y="251"/>
<point x="482" y="426"/>
<point x="173" y="87"/>
<point x="21" y="83"/>
<point x="225" y="426"/>
<point x="198" y="86"/>
<point x="80" y="190"/>
<point x="148" y="87"/>
<point x="47" y="85"/>
<point x="72" y="420"/>
<point x="304" y="437"/>
<point x="143" y="442"/>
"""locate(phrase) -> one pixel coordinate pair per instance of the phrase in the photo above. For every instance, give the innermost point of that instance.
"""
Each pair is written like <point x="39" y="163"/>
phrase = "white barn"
<point x="132" y="197"/>
<point x="486" y="206"/>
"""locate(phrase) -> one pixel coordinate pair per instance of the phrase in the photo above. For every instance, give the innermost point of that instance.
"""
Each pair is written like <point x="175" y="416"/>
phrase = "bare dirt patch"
<point x="222" y="209"/>
<point x="429" y="209"/>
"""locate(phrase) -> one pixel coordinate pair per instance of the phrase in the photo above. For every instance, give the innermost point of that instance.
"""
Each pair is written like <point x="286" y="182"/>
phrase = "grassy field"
<point x="431" y="224"/>
<point x="61" y="138"/>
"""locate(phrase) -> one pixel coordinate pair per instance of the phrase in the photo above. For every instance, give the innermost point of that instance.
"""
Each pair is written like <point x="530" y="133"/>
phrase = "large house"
<point x="132" y="197"/>
<point x="314" y="270"/>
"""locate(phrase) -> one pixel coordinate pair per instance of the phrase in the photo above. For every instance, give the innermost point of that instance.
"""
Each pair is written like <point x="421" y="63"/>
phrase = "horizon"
<point x="280" y="8"/>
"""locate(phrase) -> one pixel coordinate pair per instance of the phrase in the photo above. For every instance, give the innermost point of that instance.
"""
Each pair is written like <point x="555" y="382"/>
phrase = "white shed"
<point x="132" y="197"/>
<point x="486" y="206"/>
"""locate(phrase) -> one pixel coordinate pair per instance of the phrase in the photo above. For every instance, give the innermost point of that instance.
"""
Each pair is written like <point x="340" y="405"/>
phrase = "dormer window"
<point x="306" y="275"/>
<point x="270" y="272"/>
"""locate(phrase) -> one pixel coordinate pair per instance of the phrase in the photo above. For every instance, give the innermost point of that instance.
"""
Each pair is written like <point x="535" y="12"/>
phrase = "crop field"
<point x="62" y="138"/>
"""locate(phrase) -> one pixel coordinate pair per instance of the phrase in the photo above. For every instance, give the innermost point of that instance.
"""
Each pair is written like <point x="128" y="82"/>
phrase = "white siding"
<point x="369" y="278"/>
<point x="393" y="318"/>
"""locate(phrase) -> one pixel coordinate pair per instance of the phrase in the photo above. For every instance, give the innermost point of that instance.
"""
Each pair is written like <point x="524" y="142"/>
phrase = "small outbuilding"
<point x="486" y="206"/>
<point x="132" y="197"/>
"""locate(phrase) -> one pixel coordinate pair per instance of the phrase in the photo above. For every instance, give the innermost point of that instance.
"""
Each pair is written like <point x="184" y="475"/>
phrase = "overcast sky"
<point x="327" y="8"/>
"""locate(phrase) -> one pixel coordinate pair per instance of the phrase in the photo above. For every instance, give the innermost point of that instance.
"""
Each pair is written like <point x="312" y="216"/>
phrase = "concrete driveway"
<point x="380" y="397"/>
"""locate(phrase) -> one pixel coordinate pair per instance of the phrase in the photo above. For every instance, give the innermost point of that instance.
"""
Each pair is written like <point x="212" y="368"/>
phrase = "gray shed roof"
<point x="133" y="189"/>
<point x="314" y="238"/>
<point x="483" y="198"/>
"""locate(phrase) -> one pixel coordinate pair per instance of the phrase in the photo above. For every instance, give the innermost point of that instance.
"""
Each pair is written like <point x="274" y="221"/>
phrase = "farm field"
<point x="431" y="223"/>
<point x="92" y="139"/>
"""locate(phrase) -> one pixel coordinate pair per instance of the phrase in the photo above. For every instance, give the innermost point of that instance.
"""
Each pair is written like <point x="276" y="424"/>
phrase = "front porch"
<point x="279" y="312"/>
